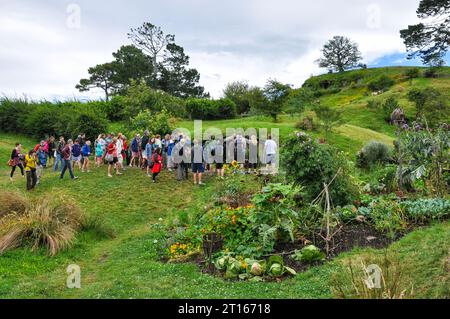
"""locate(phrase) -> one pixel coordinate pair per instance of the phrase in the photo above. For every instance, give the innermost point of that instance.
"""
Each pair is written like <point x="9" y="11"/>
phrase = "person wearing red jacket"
<point x="157" y="163"/>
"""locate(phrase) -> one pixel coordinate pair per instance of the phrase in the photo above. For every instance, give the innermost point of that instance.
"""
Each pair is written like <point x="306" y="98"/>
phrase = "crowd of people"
<point x="151" y="154"/>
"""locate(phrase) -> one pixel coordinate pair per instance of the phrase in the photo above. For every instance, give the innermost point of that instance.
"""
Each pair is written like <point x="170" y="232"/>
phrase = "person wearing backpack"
<point x="15" y="161"/>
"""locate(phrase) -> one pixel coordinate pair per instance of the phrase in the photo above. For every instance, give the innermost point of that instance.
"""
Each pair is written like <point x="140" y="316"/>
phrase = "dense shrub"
<point x="155" y="123"/>
<point x="140" y="97"/>
<point x="431" y="72"/>
<point x="306" y="124"/>
<point x="12" y="113"/>
<point x="412" y="73"/>
<point x="205" y="109"/>
<point x="389" y="106"/>
<point x="372" y="154"/>
<point x="373" y="104"/>
<point x="381" y="83"/>
<point x="114" y="109"/>
<point x="42" y="119"/>
<point x="311" y="164"/>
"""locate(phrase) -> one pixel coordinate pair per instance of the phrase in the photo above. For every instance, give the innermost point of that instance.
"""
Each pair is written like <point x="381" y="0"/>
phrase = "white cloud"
<point x="228" y="40"/>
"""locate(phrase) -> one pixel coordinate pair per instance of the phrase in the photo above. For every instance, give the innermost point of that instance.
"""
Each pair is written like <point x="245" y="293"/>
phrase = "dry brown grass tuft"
<point x="51" y="222"/>
<point x="354" y="281"/>
<point x="12" y="202"/>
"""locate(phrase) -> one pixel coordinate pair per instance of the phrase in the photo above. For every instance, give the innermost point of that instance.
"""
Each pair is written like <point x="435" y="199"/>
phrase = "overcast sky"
<point x="44" y="51"/>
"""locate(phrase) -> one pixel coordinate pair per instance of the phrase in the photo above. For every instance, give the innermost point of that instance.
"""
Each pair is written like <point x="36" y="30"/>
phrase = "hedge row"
<point x="42" y="119"/>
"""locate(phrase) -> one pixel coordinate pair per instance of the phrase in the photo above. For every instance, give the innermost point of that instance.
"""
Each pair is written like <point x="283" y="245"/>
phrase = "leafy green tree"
<point x="175" y="76"/>
<point x="276" y="94"/>
<point x="155" y="123"/>
<point x="257" y="100"/>
<point x="429" y="40"/>
<point x="152" y="40"/>
<point x="131" y="64"/>
<point x="170" y="63"/>
<point x="431" y="104"/>
<point x="141" y="97"/>
<point x="340" y="54"/>
<point x="329" y="118"/>
<point x="389" y="106"/>
<point x="298" y="100"/>
<point x="238" y="92"/>
<point x="102" y="76"/>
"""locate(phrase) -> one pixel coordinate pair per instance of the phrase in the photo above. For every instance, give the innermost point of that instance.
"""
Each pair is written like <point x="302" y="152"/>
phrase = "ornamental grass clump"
<point x="12" y="202"/>
<point x="50" y="222"/>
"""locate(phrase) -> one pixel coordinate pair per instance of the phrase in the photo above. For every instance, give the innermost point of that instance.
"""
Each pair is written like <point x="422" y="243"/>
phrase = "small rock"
<point x="371" y="238"/>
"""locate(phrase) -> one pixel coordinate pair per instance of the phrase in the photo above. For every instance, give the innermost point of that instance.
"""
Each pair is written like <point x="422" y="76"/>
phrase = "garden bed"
<point x="350" y="237"/>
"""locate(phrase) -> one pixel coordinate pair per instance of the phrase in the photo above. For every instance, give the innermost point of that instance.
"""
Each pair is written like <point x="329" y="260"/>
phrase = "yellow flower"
<point x="235" y="164"/>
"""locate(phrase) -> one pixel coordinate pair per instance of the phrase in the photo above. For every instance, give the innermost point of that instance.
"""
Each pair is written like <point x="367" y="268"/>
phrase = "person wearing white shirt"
<point x="271" y="153"/>
<point x="119" y="146"/>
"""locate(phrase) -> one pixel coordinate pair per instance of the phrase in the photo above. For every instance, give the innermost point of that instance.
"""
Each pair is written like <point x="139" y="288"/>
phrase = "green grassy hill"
<point x="127" y="266"/>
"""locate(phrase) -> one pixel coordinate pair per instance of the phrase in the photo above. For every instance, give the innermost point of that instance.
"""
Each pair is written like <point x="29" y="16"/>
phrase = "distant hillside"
<point x="350" y="92"/>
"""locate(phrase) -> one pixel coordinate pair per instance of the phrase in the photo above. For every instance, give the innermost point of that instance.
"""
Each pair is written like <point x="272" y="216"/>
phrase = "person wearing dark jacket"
<point x="144" y="142"/>
<point x="66" y="155"/>
<point x="135" y="146"/>
<point x="15" y="161"/>
<point x="59" y="149"/>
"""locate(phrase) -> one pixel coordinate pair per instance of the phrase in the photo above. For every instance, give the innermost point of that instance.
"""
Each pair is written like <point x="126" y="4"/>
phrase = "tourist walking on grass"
<point x="30" y="168"/>
<point x="144" y="142"/>
<point x="119" y="146"/>
<point x="86" y="153"/>
<point x="157" y="164"/>
<point x="51" y="150"/>
<point x="112" y="157"/>
<point x="99" y="150"/>
<point x="15" y="161"/>
<point x="183" y="166"/>
<point x="76" y="154"/>
<point x="67" y="160"/>
<point x="41" y="157"/>
<point x="270" y="148"/>
<point x="58" y="158"/>
<point x="197" y="162"/>
<point x="135" y="150"/>
<point x="253" y="155"/>
<point x="170" y="163"/>
<point x="148" y="156"/>
<point x="165" y="149"/>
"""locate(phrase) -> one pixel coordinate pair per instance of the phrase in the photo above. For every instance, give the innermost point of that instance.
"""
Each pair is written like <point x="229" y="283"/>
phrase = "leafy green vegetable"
<point x="308" y="254"/>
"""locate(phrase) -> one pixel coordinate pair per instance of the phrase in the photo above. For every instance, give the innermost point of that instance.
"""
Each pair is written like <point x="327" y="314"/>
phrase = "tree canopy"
<point x="340" y="54"/>
<point x="429" y="40"/>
